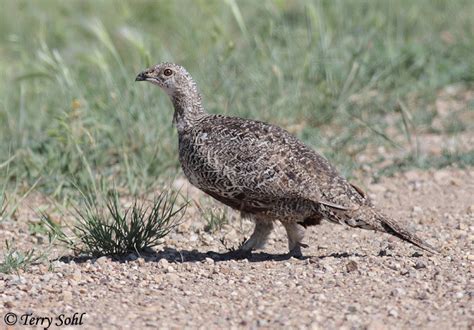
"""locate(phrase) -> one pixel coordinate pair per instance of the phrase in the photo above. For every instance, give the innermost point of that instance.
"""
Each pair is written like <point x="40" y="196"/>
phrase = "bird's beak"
<point x="141" y="76"/>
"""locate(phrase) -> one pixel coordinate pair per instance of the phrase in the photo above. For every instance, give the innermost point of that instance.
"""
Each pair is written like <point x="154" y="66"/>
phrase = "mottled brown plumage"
<point x="262" y="170"/>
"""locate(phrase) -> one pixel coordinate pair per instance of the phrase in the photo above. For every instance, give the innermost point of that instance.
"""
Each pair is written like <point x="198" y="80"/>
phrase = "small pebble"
<point x="393" y="313"/>
<point x="77" y="276"/>
<point x="417" y="210"/>
<point x="460" y="295"/>
<point x="163" y="263"/>
<point x="9" y="304"/>
<point x="419" y="265"/>
<point x="377" y="325"/>
<point x="351" y="266"/>
<point x="397" y="292"/>
<point x="67" y="295"/>
<point x="102" y="260"/>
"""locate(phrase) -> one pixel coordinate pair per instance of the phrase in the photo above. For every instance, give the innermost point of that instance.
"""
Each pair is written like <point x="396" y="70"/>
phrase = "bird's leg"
<point x="295" y="233"/>
<point x="262" y="230"/>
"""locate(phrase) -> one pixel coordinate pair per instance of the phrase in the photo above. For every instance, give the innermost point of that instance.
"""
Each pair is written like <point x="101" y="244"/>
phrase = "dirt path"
<point x="352" y="278"/>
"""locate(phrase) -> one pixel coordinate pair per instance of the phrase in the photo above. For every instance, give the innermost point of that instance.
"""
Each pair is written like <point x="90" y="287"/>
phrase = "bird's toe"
<point x="296" y="252"/>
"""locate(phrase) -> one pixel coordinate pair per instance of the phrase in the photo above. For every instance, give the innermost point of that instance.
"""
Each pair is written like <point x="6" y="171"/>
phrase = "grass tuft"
<point x="215" y="219"/>
<point x="104" y="227"/>
<point x="15" y="260"/>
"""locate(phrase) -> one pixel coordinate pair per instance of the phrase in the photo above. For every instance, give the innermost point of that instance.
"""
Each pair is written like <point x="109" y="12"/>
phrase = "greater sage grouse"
<point x="263" y="171"/>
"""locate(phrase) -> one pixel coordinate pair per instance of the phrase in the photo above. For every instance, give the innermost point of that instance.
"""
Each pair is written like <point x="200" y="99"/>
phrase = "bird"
<point x="263" y="171"/>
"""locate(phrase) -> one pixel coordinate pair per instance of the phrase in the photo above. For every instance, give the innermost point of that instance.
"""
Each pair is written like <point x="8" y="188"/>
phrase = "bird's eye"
<point x="168" y="72"/>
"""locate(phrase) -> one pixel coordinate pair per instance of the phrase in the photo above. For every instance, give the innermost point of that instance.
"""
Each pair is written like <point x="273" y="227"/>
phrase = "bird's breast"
<point x="201" y="165"/>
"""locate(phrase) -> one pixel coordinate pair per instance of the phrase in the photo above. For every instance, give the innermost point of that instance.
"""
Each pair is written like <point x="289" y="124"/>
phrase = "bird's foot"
<point x="242" y="252"/>
<point x="296" y="251"/>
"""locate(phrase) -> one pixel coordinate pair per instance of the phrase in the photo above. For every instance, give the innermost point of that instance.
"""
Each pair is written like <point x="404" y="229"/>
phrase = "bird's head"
<point x="172" y="78"/>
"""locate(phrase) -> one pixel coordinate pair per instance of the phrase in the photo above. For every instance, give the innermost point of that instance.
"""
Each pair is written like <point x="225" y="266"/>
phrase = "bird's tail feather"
<point x="370" y="218"/>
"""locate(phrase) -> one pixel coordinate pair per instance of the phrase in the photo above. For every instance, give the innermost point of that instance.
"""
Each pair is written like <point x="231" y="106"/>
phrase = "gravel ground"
<point x="350" y="278"/>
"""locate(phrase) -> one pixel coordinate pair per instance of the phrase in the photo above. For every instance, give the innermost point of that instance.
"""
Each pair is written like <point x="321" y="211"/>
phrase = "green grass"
<point x="215" y="219"/>
<point x="410" y="162"/>
<point x="70" y="110"/>
<point x="3" y="202"/>
<point x="103" y="227"/>
<point x="15" y="260"/>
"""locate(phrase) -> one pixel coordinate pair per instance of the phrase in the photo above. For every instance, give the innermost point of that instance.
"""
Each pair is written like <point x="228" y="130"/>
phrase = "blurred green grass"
<point x="330" y="71"/>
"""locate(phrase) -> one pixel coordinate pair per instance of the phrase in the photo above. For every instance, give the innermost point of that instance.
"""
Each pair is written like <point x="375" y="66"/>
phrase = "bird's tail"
<point x="368" y="217"/>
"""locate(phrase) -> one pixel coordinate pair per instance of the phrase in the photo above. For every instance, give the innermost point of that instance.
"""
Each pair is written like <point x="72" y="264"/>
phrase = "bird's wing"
<point x="264" y="162"/>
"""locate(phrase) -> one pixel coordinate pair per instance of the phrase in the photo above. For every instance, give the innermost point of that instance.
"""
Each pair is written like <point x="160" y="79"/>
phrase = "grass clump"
<point x="15" y="260"/>
<point x="105" y="227"/>
<point x="215" y="219"/>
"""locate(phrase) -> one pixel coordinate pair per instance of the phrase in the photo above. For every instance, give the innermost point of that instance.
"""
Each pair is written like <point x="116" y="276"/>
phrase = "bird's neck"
<point x="187" y="107"/>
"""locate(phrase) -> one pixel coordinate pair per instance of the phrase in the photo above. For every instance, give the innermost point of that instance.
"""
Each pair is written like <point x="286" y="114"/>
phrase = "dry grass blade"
<point x="408" y="126"/>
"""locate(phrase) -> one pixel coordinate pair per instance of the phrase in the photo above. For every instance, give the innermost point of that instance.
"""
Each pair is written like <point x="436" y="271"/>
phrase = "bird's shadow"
<point x="181" y="256"/>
